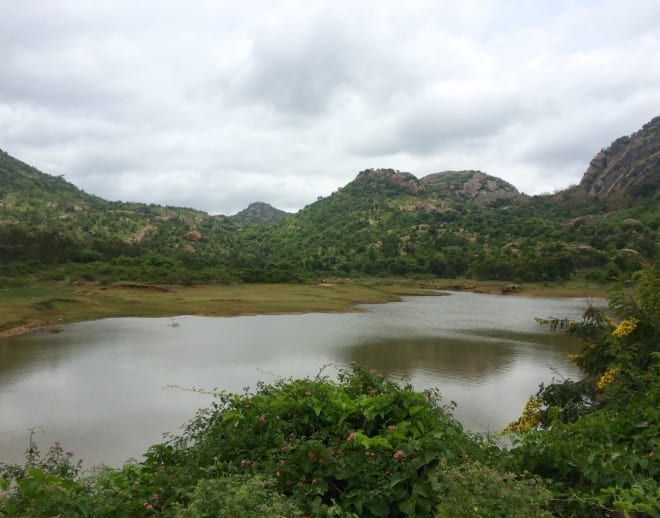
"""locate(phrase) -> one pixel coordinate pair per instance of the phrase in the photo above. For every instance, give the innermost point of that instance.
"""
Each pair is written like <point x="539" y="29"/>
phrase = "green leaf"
<point x="413" y="410"/>
<point x="380" y="508"/>
<point x="407" y="507"/>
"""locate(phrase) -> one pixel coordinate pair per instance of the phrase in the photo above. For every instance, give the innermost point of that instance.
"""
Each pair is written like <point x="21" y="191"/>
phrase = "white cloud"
<point x="216" y="104"/>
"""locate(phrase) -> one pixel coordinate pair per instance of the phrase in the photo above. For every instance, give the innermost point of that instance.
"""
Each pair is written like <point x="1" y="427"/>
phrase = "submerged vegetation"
<point x="362" y="445"/>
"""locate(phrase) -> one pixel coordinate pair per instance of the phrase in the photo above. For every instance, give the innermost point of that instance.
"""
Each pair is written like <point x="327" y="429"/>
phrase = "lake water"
<point x="108" y="389"/>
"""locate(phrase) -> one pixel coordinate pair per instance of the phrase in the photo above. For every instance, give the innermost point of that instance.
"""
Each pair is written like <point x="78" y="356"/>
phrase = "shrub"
<point x="472" y="489"/>
<point x="238" y="495"/>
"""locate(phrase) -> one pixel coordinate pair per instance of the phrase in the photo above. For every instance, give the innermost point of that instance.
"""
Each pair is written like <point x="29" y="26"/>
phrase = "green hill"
<point x="384" y="222"/>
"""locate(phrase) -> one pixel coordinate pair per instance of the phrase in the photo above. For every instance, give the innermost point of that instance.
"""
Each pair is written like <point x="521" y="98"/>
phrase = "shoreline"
<point x="72" y="304"/>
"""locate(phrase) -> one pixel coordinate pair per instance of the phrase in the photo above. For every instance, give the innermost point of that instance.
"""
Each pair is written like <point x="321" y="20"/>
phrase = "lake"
<point x="109" y="389"/>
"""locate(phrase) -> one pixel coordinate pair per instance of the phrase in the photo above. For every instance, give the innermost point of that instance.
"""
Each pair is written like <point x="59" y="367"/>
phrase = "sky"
<point x="216" y="104"/>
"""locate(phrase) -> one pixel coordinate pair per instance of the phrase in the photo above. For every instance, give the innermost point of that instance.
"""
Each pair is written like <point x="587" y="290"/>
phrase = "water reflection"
<point x="456" y="358"/>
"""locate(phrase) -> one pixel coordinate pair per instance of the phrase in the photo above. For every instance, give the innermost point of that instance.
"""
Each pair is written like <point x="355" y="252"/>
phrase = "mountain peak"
<point x="260" y="212"/>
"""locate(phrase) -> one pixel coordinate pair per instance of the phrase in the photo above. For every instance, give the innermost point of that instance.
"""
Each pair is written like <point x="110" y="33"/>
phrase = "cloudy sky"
<point x="214" y="104"/>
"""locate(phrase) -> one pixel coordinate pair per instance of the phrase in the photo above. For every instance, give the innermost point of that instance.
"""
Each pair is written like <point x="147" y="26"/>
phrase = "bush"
<point x="238" y="495"/>
<point x="472" y="489"/>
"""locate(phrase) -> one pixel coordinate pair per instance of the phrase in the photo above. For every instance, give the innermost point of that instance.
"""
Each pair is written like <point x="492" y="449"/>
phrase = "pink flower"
<point x="254" y="464"/>
<point x="277" y="473"/>
<point x="398" y="454"/>
<point x="148" y="506"/>
<point x="243" y="463"/>
<point x="282" y="461"/>
<point x="351" y="436"/>
<point x="155" y="497"/>
<point x="391" y="427"/>
<point x="321" y="461"/>
<point x="308" y="393"/>
<point x="136" y="483"/>
<point x="262" y="418"/>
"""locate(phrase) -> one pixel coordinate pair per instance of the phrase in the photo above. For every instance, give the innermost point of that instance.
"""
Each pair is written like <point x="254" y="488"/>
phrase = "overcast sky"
<point x="213" y="105"/>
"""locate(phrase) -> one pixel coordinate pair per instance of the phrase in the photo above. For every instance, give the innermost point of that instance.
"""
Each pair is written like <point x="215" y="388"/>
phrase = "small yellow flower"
<point x="609" y="377"/>
<point x="572" y="357"/>
<point x="626" y="327"/>
<point x="530" y="418"/>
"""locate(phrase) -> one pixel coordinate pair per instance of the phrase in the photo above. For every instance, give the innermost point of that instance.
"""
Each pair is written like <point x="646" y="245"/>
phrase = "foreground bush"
<point x="363" y="444"/>
<point x="358" y="446"/>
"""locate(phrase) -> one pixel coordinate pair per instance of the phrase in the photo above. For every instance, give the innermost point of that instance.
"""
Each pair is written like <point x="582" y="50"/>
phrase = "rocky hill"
<point x="630" y="165"/>
<point x="471" y="186"/>
<point x="260" y="212"/>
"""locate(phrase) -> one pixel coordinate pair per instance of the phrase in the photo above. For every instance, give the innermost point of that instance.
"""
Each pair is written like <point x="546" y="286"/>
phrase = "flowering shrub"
<point x="597" y="439"/>
<point x="362" y="444"/>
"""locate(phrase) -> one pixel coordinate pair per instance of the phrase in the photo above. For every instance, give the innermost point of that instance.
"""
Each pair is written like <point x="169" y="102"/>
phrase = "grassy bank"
<point x="52" y="304"/>
<point x="49" y="304"/>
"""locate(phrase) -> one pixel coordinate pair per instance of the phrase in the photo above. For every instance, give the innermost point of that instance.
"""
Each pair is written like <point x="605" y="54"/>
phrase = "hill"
<point x="260" y="212"/>
<point x="384" y="222"/>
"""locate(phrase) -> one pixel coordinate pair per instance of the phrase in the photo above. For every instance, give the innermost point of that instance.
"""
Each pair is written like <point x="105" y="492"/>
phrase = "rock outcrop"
<point x="471" y="185"/>
<point x="631" y="165"/>
<point x="379" y="179"/>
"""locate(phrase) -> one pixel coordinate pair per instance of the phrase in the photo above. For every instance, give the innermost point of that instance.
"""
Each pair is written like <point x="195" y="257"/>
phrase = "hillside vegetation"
<point x="383" y="223"/>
